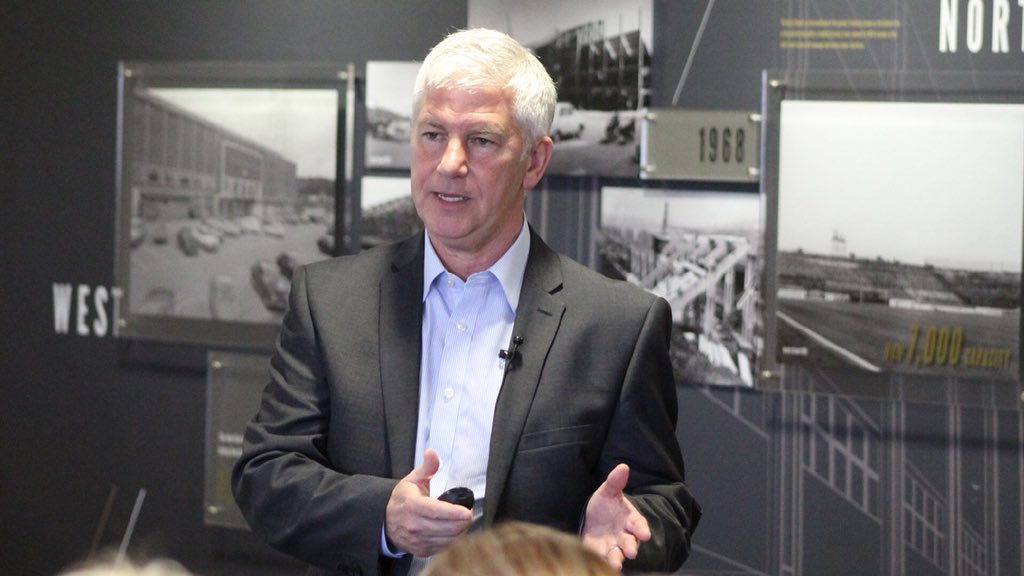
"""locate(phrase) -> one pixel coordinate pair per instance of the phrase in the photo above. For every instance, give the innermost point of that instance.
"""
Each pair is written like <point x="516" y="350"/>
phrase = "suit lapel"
<point x="538" y="317"/>
<point x="401" y="318"/>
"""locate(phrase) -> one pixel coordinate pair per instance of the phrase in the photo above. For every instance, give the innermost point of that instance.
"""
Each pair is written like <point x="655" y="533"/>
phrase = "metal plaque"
<point x="700" y="145"/>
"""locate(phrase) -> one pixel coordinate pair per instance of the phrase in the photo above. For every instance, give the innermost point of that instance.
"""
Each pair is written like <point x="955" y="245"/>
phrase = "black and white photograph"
<point x="388" y="213"/>
<point x="699" y="250"/>
<point x="899" y="236"/>
<point x="227" y="191"/>
<point x="389" y="87"/>
<point x="599" y="54"/>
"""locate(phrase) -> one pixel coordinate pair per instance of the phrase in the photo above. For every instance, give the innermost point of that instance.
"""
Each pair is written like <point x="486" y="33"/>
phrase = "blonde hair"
<point x="479" y="58"/>
<point x="159" y="567"/>
<point x="518" y="549"/>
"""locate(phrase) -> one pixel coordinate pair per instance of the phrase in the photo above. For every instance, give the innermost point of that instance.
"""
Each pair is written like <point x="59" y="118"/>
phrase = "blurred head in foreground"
<point x="518" y="549"/>
<point x="161" y="567"/>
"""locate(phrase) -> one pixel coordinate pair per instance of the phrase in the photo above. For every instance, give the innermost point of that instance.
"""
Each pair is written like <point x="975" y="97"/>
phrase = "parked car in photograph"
<point x="158" y="301"/>
<point x="158" y="231"/>
<point x="287" y="262"/>
<point x="326" y="241"/>
<point x="398" y="129"/>
<point x="187" y="241"/>
<point x="223" y="227"/>
<point x="387" y="125"/>
<point x="273" y="228"/>
<point x="271" y="286"/>
<point x="250" y="225"/>
<point x="567" y="122"/>
<point x="207" y="237"/>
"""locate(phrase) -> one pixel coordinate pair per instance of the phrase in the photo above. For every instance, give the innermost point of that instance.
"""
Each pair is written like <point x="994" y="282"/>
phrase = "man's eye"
<point x="481" y="141"/>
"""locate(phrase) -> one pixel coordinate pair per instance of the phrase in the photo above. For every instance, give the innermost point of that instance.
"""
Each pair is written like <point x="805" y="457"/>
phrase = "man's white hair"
<point x="482" y="58"/>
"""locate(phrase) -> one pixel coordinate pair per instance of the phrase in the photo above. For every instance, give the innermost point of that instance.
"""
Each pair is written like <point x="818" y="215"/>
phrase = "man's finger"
<point x="615" y="556"/>
<point x="426" y="470"/>
<point x="629" y="546"/>
<point x="639" y="527"/>
<point x="616" y="481"/>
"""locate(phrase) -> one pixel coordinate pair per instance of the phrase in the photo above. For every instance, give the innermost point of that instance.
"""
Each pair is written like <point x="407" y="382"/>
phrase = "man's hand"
<point x="415" y="522"/>
<point x="613" y="527"/>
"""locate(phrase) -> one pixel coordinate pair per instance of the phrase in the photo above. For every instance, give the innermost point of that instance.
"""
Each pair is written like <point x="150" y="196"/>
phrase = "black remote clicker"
<point x="461" y="496"/>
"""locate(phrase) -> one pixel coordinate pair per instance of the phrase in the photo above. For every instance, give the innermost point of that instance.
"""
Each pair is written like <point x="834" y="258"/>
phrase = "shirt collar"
<point x="509" y="269"/>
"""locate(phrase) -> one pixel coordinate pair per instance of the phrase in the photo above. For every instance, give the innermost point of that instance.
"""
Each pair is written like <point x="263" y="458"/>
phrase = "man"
<point x="468" y="356"/>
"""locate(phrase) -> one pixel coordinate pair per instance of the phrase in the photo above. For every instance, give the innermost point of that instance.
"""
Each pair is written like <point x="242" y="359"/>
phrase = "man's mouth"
<point x="450" y="198"/>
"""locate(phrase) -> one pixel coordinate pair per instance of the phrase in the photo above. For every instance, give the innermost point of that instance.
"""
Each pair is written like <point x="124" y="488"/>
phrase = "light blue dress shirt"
<point x="465" y="326"/>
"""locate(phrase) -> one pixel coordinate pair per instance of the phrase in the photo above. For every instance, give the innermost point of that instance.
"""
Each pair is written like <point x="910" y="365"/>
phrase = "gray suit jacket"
<point x="336" y="429"/>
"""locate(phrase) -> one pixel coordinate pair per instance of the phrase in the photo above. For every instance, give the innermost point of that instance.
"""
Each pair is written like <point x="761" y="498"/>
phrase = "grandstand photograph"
<point x="389" y="87"/>
<point x="599" y="54"/>
<point x="911" y="261"/>
<point x="225" y="191"/>
<point x="700" y="251"/>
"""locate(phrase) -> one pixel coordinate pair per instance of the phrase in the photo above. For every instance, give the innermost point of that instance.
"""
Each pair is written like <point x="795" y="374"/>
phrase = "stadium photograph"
<point x="909" y="261"/>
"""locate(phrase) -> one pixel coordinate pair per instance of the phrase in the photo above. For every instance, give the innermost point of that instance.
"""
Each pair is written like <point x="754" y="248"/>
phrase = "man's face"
<point x="469" y="171"/>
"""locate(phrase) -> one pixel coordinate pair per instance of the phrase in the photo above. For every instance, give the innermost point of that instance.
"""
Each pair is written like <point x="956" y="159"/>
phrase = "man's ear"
<point x="539" y="158"/>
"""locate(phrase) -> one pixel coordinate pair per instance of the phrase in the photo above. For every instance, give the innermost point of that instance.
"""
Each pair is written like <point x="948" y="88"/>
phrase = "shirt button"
<point x="461" y="326"/>
<point x="450" y="282"/>
<point x="449" y="393"/>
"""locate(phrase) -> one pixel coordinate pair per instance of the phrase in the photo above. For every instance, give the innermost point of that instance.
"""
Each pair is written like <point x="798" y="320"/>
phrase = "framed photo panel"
<point x="229" y="177"/>
<point x="897" y="213"/>
<point x="700" y="250"/>
<point x="599" y="54"/>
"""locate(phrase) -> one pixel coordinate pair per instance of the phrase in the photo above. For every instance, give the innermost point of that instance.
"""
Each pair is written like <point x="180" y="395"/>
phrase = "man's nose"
<point x="453" y="162"/>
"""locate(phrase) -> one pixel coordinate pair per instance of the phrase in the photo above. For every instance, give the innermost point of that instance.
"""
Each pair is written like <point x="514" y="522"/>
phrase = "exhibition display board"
<point x="228" y="179"/>
<point x="893" y="250"/>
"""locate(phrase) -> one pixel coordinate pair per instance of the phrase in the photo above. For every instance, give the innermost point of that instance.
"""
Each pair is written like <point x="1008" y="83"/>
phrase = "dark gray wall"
<point x="75" y="419"/>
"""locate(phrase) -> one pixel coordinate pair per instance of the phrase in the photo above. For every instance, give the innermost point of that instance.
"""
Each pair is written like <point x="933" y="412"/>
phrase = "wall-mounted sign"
<point x="234" y="384"/>
<point x="701" y="145"/>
